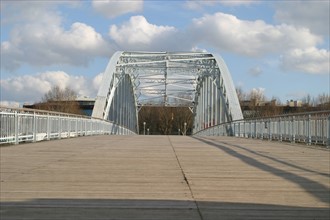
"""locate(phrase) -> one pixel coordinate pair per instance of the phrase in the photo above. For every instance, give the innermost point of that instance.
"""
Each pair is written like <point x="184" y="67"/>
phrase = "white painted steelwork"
<point x="309" y="128"/>
<point x="28" y="125"/>
<point x="200" y="81"/>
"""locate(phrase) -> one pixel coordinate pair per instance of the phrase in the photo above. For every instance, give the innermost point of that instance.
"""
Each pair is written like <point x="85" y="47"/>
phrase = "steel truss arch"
<point x="200" y="81"/>
<point x="116" y="99"/>
<point x="216" y="99"/>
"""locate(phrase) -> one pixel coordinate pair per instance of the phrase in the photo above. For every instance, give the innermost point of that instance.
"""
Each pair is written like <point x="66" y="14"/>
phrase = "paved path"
<point x="164" y="177"/>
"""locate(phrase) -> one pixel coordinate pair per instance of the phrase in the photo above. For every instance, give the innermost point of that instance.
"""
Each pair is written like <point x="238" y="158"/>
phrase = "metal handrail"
<point x="30" y="125"/>
<point x="309" y="128"/>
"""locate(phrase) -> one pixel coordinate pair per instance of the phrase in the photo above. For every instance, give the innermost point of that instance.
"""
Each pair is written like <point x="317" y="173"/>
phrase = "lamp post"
<point x="185" y="128"/>
<point x="147" y="131"/>
<point x="144" y="128"/>
<point x="179" y="131"/>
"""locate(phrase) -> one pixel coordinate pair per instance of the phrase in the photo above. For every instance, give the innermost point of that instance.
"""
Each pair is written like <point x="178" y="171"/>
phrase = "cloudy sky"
<point x="279" y="47"/>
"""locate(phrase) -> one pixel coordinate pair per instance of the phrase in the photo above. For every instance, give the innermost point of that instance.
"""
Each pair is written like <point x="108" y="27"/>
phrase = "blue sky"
<point x="278" y="47"/>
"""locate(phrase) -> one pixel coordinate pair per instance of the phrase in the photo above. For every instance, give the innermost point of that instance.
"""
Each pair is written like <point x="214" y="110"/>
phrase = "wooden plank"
<point x="164" y="177"/>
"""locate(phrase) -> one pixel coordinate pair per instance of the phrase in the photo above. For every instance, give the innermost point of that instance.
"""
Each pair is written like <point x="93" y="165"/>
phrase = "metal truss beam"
<point x="200" y="81"/>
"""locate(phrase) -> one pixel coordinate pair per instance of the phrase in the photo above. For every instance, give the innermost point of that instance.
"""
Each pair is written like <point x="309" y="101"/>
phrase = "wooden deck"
<point x="164" y="177"/>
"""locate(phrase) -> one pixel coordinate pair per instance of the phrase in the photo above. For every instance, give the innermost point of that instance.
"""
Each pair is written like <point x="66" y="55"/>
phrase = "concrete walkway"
<point x="164" y="177"/>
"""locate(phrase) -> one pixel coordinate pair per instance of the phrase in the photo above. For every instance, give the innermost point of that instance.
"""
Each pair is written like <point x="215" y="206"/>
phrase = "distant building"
<point x="85" y="105"/>
<point x="259" y="108"/>
<point x="292" y="103"/>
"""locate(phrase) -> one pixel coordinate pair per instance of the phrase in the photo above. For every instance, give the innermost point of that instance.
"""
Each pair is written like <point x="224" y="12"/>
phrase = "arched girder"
<point x="216" y="99"/>
<point x="200" y="81"/>
<point x="116" y="99"/>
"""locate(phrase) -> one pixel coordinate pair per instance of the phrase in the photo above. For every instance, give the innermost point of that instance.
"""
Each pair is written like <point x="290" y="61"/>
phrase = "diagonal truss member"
<point x="200" y="81"/>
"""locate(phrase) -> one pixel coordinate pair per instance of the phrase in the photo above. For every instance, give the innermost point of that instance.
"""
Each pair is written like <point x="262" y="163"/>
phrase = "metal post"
<point x="203" y="106"/>
<point x="309" y="137"/>
<point x="34" y="127"/>
<point x="16" y="128"/>
<point x="244" y="135"/>
<point x="270" y="129"/>
<point x="233" y="126"/>
<point x="239" y="129"/>
<point x="255" y="129"/>
<point x="48" y="127"/>
<point x="185" y="128"/>
<point x="60" y="128"/>
<point x="216" y="106"/>
<point x="293" y="137"/>
<point x="279" y="129"/>
<point x="69" y="127"/>
<point x="144" y="128"/>
<point x="179" y="131"/>
<point x="262" y="126"/>
<point x="328" y="143"/>
<point x="76" y="127"/>
<point x="85" y="127"/>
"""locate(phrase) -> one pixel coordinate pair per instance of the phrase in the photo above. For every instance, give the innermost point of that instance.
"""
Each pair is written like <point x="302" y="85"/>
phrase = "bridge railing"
<point x="309" y="128"/>
<point x="28" y="125"/>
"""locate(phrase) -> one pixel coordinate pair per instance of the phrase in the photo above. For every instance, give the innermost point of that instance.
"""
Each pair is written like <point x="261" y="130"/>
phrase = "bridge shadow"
<point x="319" y="191"/>
<point x="277" y="160"/>
<point x="118" y="209"/>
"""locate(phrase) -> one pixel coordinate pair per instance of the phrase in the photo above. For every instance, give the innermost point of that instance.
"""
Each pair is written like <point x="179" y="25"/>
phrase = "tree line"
<point x="60" y="100"/>
<point x="256" y="104"/>
<point x="179" y="120"/>
<point x="166" y="120"/>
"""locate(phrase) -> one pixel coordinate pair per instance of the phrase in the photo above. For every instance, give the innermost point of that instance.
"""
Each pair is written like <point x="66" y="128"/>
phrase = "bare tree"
<point x="323" y="98"/>
<point x="257" y="95"/>
<point x="166" y="120"/>
<point x="60" y="100"/>
<point x="242" y="96"/>
<point x="58" y="94"/>
<point x="307" y="100"/>
<point x="166" y="117"/>
<point x="323" y="101"/>
<point x="149" y="115"/>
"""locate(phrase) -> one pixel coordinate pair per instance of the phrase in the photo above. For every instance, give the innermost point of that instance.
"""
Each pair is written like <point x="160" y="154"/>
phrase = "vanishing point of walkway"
<point x="164" y="177"/>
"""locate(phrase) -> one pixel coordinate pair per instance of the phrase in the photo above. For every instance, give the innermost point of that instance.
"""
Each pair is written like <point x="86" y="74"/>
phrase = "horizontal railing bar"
<point x="309" y="128"/>
<point x="22" y="125"/>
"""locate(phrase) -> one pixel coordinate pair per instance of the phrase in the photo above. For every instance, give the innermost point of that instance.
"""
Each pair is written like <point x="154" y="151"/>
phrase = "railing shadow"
<point x="319" y="191"/>
<point x="142" y="209"/>
<point x="277" y="160"/>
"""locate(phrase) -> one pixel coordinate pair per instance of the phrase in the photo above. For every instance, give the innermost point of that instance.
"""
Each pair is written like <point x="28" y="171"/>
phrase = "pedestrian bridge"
<point x="226" y="170"/>
<point x="164" y="178"/>
<point x="132" y="80"/>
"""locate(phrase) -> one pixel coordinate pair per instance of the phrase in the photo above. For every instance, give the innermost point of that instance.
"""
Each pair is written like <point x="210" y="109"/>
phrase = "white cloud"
<point x="228" y="33"/>
<point x="255" y="71"/>
<point x="18" y="12"/>
<point x="197" y="49"/>
<point x="251" y="38"/>
<point x="296" y="95"/>
<point x="198" y="5"/>
<point x="97" y="81"/>
<point x="9" y="104"/>
<point x="40" y="39"/>
<point x="313" y="15"/>
<point x="37" y="44"/>
<point x="310" y="60"/>
<point x="238" y="2"/>
<point x="139" y="34"/>
<point x="31" y="88"/>
<point x="114" y="8"/>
